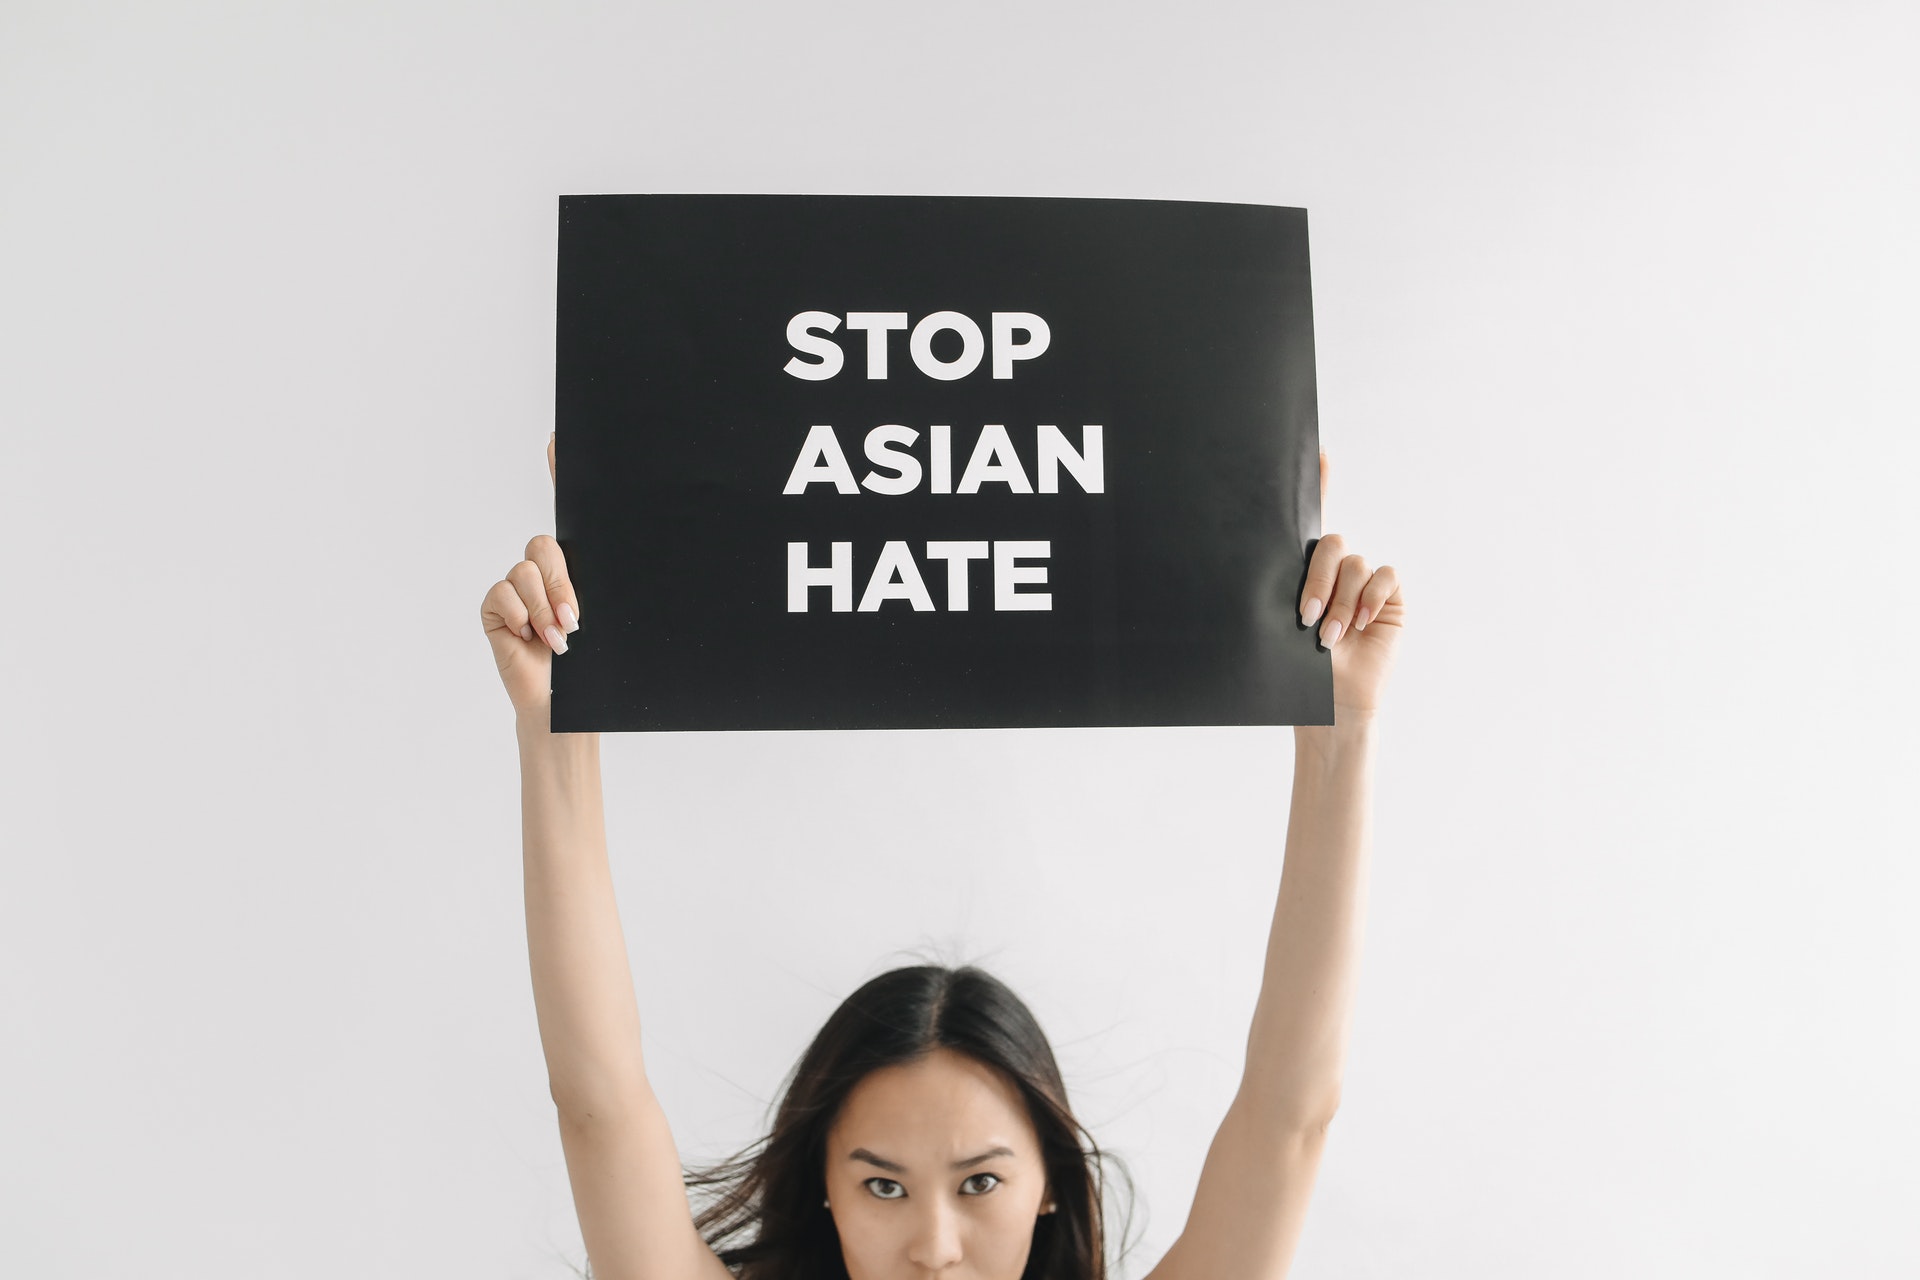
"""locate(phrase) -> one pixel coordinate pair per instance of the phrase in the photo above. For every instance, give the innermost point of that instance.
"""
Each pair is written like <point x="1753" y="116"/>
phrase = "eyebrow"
<point x="861" y="1153"/>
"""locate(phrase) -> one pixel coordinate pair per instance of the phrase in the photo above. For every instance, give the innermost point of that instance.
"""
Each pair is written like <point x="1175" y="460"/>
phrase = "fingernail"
<point x="1330" y="633"/>
<point x="526" y="631"/>
<point x="1310" y="614"/>
<point x="1360" y="620"/>
<point x="568" y="618"/>
<point x="554" y="638"/>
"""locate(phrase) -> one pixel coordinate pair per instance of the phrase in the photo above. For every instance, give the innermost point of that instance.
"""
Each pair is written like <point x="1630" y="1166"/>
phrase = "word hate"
<point x="896" y="576"/>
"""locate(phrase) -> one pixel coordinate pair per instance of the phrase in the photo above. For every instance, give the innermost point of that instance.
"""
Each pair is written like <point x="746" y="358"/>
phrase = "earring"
<point x="1048" y="1207"/>
<point x="826" y="1204"/>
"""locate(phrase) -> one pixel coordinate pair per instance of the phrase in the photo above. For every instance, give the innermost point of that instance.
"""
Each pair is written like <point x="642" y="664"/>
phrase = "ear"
<point x="553" y="476"/>
<point x="1326" y="469"/>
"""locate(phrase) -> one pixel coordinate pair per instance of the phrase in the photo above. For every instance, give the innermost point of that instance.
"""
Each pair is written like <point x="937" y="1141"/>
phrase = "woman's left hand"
<point x="1360" y="611"/>
<point x="1361" y="625"/>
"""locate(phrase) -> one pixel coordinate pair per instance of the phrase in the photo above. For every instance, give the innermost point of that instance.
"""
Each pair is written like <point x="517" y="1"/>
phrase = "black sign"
<point x="935" y="462"/>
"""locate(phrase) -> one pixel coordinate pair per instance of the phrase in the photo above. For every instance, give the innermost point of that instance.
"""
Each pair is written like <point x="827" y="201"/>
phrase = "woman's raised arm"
<point x="621" y="1158"/>
<point x="1251" y="1203"/>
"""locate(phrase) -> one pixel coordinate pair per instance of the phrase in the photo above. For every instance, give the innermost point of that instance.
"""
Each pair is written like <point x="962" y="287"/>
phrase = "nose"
<point x="936" y="1239"/>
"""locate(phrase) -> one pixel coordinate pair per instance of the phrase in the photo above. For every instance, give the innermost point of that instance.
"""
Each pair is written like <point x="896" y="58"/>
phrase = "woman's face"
<point x="934" y="1169"/>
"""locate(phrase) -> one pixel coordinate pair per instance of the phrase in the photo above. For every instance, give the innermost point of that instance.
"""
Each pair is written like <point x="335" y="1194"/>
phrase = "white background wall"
<point x="1617" y="332"/>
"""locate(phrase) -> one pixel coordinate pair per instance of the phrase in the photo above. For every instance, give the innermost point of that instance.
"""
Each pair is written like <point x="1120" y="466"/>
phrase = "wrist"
<point x="1353" y="729"/>
<point x="531" y="722"/>
<point x="532" y="726"/>
<point x="1346" y="717"/>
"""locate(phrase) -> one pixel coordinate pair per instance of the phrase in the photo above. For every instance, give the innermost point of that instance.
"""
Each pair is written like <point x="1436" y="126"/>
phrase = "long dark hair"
<point x="762" y="1211"/>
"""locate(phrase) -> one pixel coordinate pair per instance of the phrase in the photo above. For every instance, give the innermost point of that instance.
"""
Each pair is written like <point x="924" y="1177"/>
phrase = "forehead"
<point x="943" y="1106"/>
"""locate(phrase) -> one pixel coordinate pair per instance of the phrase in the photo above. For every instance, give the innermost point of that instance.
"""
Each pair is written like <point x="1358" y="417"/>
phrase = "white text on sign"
<point x="806" y="333"/>
<point x="993" y="461"/>
<point x="896" y="576"/>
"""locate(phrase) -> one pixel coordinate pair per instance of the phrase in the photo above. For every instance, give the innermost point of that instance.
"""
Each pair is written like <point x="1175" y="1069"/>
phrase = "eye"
<point x="979" y="1184"/>
<point x="885" y="1188"/>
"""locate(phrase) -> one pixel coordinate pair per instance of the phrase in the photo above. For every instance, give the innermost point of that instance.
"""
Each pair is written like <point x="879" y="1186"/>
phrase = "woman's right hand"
<point x="528" y="616"/>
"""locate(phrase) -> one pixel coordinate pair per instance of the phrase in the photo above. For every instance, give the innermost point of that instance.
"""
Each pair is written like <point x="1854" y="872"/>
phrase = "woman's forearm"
<point x="582" y="984"/>
<point x="1298" y="1042"/>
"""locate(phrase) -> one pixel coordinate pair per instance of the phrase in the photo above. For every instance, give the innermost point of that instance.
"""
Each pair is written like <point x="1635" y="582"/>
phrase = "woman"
<point x="925" y="1134"/>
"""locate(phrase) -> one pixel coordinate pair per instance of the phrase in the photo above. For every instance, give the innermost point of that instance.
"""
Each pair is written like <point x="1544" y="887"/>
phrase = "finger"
<point x="504" y="615"/>
<point x="1382" y="589"/>
<point x="1346" y="598"/>
<point x="532" y="589"/>
<point x="552" y="474"/>
<point x="1322" y="569"/>
<point x="546" y="553"/>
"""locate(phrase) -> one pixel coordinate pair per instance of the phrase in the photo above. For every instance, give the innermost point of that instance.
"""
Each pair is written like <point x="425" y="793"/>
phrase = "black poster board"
<point x="1150" y="362"/>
